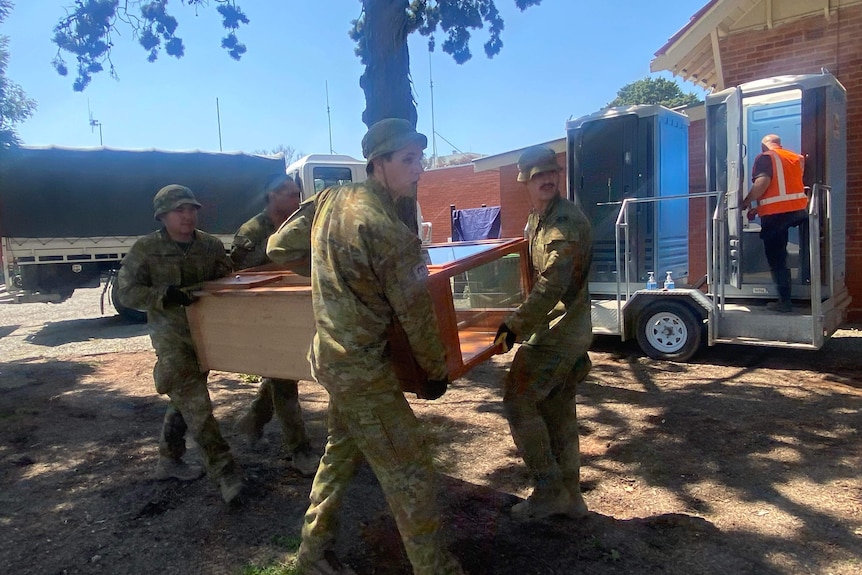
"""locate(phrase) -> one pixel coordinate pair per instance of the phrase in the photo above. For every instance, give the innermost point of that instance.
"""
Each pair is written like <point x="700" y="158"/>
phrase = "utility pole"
<point x="433" y="129"/>
<point x="329" y="117"/>
<point x="218" y="118"/>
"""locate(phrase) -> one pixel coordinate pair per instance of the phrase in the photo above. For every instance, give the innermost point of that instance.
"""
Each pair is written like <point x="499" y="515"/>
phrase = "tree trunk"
<point x="386" y="81"/>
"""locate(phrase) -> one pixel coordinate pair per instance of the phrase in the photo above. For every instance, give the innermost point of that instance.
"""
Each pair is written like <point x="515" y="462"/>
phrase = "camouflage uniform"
<point x="290" y="245"/>
<point x="154" y="263"/>
<point x="540" y="387"/>
<point x="279" y="395"/>
<point x="367" y="272"/>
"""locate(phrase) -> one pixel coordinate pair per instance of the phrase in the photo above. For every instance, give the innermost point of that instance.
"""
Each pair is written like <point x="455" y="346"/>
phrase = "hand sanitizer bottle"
<point x="651" y="283"/>
<point x="668" y="282"/>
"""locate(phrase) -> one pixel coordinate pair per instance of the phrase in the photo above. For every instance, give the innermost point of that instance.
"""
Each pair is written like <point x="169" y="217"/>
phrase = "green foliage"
<point x="288" y="542"/>
<point x="288" y="568"/>
<point x="86" y="32"/>
<point x="15" y="106"/>
<point x="653" y="91"/>
<point x="380" y="33"/>
<point x="455" y="18"/>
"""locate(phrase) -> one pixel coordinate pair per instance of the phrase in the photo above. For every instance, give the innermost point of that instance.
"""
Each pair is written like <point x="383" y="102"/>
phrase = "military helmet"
<point x="390" y="135"/>
<point x="535" y="160"/>
<point x="171" y="197"/>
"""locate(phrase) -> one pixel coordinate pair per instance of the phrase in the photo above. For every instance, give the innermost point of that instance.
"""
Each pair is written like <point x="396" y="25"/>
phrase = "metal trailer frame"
<point x="672" y="324"/>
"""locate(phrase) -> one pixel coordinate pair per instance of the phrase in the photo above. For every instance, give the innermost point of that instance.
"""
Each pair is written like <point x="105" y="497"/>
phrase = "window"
<point x="326" y="176"/>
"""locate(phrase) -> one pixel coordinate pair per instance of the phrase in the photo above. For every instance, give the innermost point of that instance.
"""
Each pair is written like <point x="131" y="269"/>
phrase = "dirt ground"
<point x="745" y="461"/>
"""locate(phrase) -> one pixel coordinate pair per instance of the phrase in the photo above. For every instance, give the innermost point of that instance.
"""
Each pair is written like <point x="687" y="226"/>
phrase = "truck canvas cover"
<point x="61" y="192"/>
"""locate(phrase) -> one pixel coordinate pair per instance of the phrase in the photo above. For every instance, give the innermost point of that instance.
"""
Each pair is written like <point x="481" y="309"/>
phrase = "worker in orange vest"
<point x="781" y="204"/>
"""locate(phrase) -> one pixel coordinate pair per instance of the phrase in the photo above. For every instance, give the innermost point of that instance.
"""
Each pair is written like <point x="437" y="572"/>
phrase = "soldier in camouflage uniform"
<point x="157" y="276"/>
<point x="367" y="273"/>
<point x="282" y="196"/>
<point x="554" y="321"/>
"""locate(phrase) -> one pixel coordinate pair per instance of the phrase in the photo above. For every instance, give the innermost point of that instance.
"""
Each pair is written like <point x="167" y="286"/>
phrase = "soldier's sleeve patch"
<point x="420" y="272"/>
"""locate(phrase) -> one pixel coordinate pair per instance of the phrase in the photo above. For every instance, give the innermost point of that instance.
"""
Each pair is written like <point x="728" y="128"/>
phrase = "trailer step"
<point x="764" y="343"/>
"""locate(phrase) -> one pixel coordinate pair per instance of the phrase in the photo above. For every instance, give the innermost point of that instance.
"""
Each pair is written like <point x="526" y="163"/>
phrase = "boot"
<point x="305" y="461"/>
<point x="252" y="434"/>
<point x="579" y="506"/>
<point x="781" y="306"/>
<point x="328" y="565"/>
<point x="232" y="489"/>
<point x="176" y="469"/>
<point x="782" y="282"/>
<point x="547" y="501"/>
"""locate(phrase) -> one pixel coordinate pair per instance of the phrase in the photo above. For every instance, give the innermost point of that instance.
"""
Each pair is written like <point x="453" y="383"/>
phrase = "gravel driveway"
<point x="74" y="327"/>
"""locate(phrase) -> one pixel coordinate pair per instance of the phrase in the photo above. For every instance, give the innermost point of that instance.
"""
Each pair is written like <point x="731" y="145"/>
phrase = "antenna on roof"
<point x="94" y="123"/>
<point x="433" y="129"/>
<point x="329" y="117"/>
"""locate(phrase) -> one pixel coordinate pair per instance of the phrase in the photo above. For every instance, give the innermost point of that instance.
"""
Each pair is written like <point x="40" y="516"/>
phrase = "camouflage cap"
<point x="171" y="197"/>
<point x="390" y="135"/>
<point x="276" y="182"/>
<point x="535" y="160"/>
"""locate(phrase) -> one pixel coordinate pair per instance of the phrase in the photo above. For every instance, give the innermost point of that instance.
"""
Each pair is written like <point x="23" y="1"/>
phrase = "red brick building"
<point x="727" y="43"/>
<point x="490" y="181"/>
<point x="730" y="42"/>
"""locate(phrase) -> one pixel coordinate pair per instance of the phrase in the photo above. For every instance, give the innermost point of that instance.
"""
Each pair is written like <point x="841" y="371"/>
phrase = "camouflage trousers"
<point x="539" y="402"/>
<point x="280" y="396"/>
<point x="177" y="375"/>
<point x="382" y="428"/>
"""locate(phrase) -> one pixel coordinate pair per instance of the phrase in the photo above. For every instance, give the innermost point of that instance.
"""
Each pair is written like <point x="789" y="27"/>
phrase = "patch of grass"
<point x="288" y="542"/>
<point x="249" y="378"/>
<point x="287" y="568"/>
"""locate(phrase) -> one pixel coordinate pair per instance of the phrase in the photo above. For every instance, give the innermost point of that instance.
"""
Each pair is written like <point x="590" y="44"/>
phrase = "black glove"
<point x="176" y="297"/>
<point x="433" y="389"/>
<point x="505" y="338"/>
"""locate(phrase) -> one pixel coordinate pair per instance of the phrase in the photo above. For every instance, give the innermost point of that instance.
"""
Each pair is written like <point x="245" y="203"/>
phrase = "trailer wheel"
<point x="669" y="330"/>
<point x="129" y="314"/>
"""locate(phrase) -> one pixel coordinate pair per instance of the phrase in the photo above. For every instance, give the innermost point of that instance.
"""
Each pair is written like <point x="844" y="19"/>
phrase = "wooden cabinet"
<point x="261" y="321"/>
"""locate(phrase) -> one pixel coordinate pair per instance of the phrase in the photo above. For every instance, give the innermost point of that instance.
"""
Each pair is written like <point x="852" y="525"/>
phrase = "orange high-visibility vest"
<point x="786" y="192"/>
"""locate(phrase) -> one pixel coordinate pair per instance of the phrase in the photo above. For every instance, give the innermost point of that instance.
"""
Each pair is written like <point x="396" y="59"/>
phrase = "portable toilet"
<point x="632" y="152"/>
<point x="808" y="112"/>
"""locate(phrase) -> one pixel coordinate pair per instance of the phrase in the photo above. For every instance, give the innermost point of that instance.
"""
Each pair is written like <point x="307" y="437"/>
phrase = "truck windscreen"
<point x="326" y="176"/>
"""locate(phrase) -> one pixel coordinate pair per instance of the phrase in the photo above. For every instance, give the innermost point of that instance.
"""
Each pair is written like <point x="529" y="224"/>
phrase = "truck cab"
<point x="315" y="172"/>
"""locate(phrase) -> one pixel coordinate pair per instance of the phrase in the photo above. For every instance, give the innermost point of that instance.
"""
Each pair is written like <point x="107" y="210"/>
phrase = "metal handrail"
<point x="621" y="227"/>
<point x="816" y="291"/>
<point x="716" y="253"/>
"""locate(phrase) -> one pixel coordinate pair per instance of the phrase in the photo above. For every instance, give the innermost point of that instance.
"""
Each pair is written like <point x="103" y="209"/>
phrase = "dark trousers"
<point x="774" y="232"/>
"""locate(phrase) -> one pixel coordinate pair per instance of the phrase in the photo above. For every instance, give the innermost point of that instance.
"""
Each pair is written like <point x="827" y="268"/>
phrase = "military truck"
<point x="68" y="216"/>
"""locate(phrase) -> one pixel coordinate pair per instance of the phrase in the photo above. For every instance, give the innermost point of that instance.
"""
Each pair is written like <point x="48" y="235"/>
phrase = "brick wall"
<point x="459" y="185"/>
<point x="697" y="207"/>
<point x="804" y="47"/>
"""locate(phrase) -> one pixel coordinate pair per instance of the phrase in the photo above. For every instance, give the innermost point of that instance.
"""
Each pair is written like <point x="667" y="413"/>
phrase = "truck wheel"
<point x="129" y="314"/>
<point x="669" y="330"/>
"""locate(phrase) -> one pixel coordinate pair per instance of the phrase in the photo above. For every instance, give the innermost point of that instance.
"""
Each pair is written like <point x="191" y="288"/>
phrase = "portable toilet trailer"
<point x="632" y="152"/>
<point x="808" y="112"/>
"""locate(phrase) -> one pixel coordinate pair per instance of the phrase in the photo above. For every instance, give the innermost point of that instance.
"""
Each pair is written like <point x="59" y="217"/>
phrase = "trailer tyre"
<point x="669" y="330"/>
<point x="129" y="314"/>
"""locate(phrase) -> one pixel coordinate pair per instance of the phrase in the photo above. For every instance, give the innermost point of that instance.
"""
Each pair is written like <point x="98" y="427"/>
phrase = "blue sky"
<point x="561" y="59"/>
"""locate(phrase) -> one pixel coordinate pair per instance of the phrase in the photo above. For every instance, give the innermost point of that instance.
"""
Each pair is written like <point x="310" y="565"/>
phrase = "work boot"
<point x="328" y="565"/>
<point x="168" y="468"/>
<point x="251" y="433"/>
<point x="232" y="489"/>
<point x="781" y="306"/>
<point x="545" y="502"/>
<point x="305" y="461"/>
